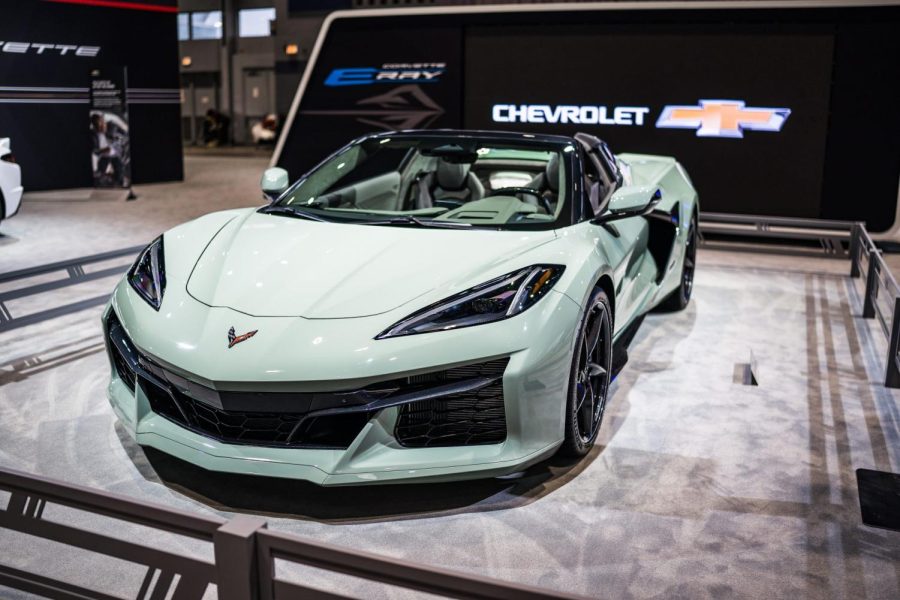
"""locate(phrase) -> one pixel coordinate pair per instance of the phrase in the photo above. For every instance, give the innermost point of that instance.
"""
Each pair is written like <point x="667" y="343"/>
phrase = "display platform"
<point x="700" y="486"/>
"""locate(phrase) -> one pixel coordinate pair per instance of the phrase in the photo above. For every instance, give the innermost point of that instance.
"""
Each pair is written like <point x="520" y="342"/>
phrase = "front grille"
<point x="464" y="419"/>
<point x="460" y="406"/>
<point x="256" y="428"/>
<point x="241" y="427"/>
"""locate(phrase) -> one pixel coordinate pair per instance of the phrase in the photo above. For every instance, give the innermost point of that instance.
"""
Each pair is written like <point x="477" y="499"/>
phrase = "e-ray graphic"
<point x="388" y="73"/>
<point x="722" y="118"/>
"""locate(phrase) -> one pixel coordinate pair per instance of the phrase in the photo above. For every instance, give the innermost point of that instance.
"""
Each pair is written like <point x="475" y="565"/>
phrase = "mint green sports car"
<point x="421" y="306"/>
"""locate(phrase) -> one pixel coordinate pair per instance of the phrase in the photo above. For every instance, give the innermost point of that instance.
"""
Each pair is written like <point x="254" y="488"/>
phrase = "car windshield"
<point x="452" y="182"/>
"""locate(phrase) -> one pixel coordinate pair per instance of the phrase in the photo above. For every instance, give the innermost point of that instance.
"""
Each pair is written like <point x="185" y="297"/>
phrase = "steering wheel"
<point x="515" y="191"/>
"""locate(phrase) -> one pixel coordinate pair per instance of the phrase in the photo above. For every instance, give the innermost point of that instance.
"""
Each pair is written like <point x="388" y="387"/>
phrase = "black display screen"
<point x="781" y="112"/>
<point x="617" y="86"/>
<point x="48" y="51"/>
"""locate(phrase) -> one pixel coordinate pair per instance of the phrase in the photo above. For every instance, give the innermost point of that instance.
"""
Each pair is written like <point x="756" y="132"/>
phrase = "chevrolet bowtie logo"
<point x="234" y="340"/>
<point x="722" y="118"/>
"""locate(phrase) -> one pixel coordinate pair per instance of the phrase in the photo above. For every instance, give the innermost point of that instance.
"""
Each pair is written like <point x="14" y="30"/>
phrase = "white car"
<point x="422" y="306"/>
<point x="10" y="181"/>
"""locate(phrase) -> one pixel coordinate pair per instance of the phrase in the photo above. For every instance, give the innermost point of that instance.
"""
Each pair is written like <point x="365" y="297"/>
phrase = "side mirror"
<point x="630" y="201"/>
<point x="273" y="183"/>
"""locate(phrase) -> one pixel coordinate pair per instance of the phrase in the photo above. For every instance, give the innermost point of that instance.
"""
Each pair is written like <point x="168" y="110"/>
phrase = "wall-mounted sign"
<point x="8" y="47"/>
<point x="712" y="118"/>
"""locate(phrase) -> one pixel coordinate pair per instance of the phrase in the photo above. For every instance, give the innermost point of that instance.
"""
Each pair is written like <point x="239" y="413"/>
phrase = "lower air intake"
<point x="123" y="369"/>
<point x="464" y="419"/>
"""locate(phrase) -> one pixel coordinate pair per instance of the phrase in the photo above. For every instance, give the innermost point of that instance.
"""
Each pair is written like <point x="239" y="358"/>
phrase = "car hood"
<point x="268" y="265"/>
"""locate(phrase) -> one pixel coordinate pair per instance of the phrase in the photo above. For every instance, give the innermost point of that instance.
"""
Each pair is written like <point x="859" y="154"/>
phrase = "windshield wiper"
<point x="277" y="209"/>
<point x="411" y="220"/>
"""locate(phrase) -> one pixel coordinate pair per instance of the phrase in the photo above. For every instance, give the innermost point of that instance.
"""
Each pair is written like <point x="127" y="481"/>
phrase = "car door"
<point x="625" y="243"/>
<point x="631" y="246"/>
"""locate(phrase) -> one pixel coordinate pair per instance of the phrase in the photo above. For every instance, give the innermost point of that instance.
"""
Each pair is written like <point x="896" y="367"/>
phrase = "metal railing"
<point x="30" y="495"/>
<point x="244" y="552"/>
<point x="74" y="268"/>
<point x="432" y="580"/>
<point x="881" y="299"/>
<point x="831" y="235"/>
<point x="880" y="283"/>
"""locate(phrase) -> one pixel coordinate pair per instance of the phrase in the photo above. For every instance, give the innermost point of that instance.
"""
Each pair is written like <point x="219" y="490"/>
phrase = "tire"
<point x="589" y="377"/>
<point x="681" y="297"/>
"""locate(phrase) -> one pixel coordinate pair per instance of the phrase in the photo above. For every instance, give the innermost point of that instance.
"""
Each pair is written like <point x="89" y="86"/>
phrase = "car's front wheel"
<point x="590" y="377"/>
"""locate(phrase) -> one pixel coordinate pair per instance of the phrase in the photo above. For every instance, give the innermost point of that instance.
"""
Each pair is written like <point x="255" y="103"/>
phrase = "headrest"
<point x="551" y="172"/>
<point x="451" y="176"/>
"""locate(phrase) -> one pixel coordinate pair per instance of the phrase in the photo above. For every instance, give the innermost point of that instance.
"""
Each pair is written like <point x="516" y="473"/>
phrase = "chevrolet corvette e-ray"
<point x="421" y="306"/>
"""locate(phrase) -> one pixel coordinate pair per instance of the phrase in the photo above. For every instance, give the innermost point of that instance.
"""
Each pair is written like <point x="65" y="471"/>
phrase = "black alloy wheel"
<point x="589" y="381"/>
<point x="681" y="296"/>
<point x="690" y="262"/>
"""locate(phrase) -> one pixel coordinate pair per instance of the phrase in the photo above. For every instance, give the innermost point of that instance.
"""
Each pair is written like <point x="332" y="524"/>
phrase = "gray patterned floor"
<point x="700" y="487"/>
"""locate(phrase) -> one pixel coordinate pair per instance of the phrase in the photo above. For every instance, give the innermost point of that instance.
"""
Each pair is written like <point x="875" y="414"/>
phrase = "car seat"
<point x="548" y="184"/>
<point x="450" y="185"/>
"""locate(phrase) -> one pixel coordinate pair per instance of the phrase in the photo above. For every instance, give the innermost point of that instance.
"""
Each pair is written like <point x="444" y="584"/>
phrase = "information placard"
<point x="111" y="144"/>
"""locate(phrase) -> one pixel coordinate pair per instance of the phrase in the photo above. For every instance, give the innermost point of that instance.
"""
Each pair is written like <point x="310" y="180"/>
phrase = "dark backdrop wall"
<point x="47" y="52"/>
<point x="816" y="136"/>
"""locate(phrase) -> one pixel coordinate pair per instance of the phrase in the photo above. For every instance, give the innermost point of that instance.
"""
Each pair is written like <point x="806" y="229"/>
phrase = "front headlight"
<point x="148" y="275"/>
<point x="495" y="300"/>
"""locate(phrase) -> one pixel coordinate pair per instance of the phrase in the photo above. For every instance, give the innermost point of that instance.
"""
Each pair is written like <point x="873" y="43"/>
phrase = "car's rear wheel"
<point x="590" y="377"/>
<point x="681" y="297"/>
